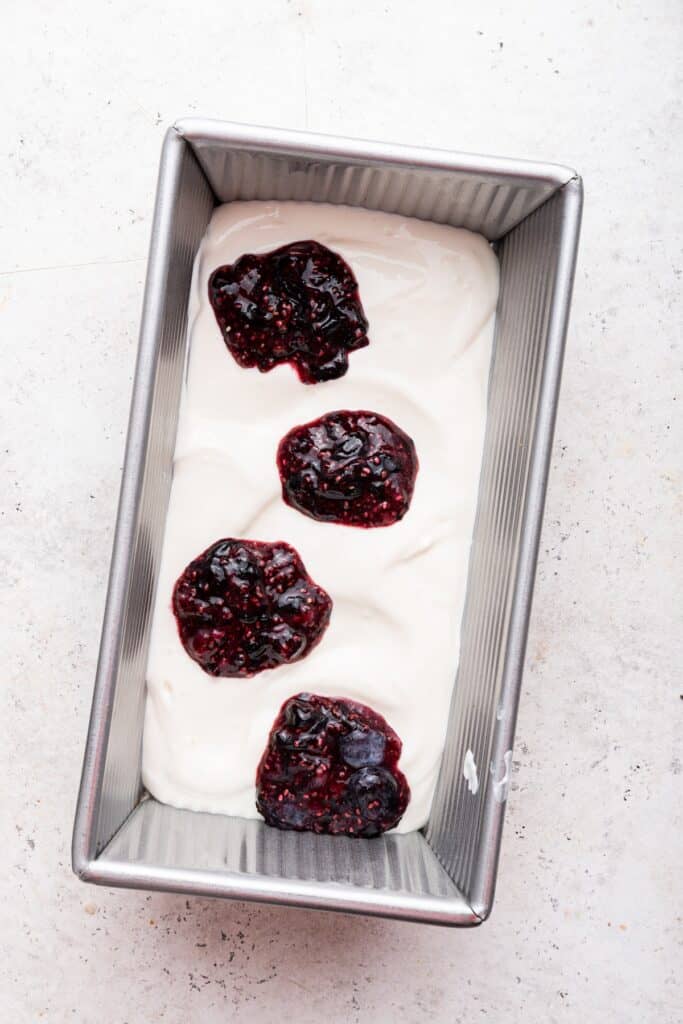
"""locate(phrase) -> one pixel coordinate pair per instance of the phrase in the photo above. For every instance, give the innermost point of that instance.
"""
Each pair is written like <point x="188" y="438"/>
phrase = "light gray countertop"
<point x="585" y="927"/>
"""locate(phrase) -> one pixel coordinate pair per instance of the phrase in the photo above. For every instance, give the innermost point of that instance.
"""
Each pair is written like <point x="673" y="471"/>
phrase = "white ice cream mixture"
<point x="429" y="293"/>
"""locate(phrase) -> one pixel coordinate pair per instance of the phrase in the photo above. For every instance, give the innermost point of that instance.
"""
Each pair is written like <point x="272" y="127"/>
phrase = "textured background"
<point x="585" y="924"/>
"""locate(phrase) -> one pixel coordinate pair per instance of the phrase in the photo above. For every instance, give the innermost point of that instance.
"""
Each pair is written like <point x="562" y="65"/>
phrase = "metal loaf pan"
<point x="446" y="873"/>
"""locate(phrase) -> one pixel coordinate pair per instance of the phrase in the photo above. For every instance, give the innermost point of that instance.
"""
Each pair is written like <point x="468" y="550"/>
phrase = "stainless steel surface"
<point x="447" y="874"/>
<point x="110" y="786"/>
<point x="163" y="847"/>
<point x="486" y="194"/>
<point x="536" y="280"/>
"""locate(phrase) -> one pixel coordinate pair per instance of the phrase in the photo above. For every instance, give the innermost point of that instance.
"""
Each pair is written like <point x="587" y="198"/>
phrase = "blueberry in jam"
<point x="354" y="468"/>
<point x="243" y="606"/>
<point x="298" y="304"/>
<point x="331" y="766"/>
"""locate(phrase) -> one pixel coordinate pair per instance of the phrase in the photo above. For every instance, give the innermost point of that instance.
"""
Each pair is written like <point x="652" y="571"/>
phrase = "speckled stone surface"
<point x="585" y="927"/>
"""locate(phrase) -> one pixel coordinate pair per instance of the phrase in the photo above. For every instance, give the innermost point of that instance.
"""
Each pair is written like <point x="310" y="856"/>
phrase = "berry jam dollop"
<point x="353" y="468"/>
<point x="298" y="304"/>
<point x="331" y="766"/>
<point x="243" y="606"/>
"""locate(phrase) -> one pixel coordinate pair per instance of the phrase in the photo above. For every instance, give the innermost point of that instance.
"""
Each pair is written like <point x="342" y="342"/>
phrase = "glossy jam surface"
<point x="331" y="766"/>
<point x="353" y="468"/>
<point x="298" y="304"/>
<point x="244" y="606"/>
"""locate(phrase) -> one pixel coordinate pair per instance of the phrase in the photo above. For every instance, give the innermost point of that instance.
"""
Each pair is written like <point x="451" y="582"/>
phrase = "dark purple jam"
<point x="353" y="468"/>
<point x="298" y="304"/>
<point x="243" y="606"/>
<point x="331" y="766"/>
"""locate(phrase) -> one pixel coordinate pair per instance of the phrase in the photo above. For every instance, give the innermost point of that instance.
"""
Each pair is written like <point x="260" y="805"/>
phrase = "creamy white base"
<point x="429" y="293"/>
